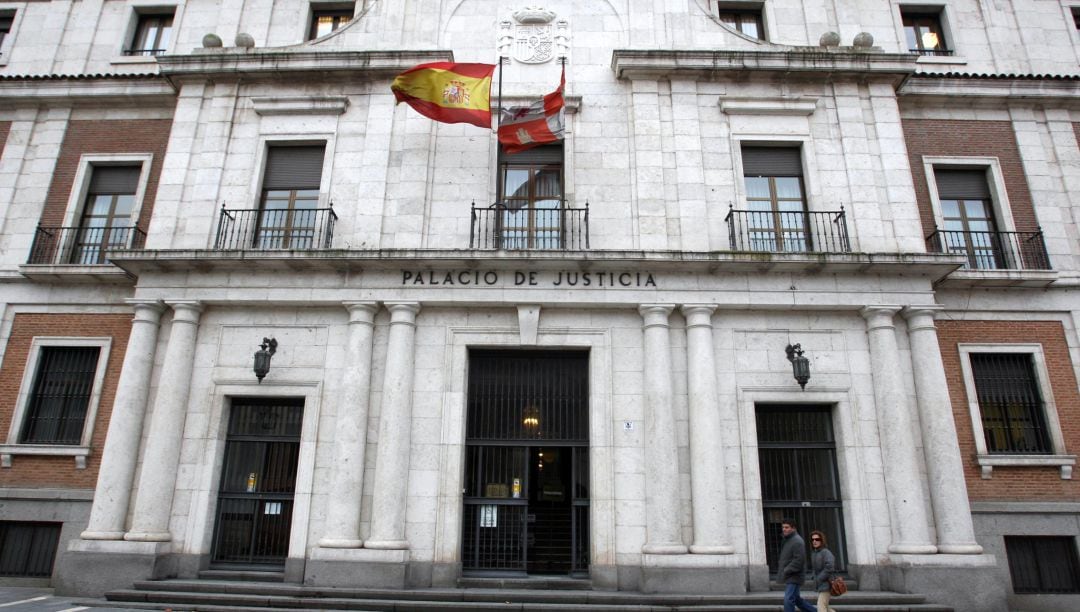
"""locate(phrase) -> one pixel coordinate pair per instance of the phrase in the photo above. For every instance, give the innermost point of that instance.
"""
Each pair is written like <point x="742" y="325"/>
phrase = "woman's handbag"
<point x="837" y="586"/>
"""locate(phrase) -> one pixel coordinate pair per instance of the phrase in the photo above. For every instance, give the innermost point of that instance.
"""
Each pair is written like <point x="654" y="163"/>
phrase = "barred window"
<point x="28" y="549"/>
<point x="1043" y="564"/>
<point x="60" y="395"/>
<point x="1010" y="403"/>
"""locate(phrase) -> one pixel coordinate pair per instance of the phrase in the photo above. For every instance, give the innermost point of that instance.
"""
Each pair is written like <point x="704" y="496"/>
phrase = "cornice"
<point x="1013" y="87"/>
<point x="236" y="62"/>
<point x="650" y="64"/>
<point x="96" y="89"/>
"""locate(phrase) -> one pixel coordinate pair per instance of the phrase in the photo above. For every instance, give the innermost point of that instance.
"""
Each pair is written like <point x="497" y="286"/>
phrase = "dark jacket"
<point x="824" y="565"/>
<point x="792" y="559"/>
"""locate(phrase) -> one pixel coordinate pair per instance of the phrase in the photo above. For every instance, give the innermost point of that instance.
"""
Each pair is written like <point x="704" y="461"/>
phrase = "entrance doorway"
<point x="799" y="479"/>
<point x="526" y="504"/>
<point x="258" y="481"/>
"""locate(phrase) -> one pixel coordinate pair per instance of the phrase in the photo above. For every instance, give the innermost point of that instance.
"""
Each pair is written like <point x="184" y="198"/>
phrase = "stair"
<point x="249" y="596"/>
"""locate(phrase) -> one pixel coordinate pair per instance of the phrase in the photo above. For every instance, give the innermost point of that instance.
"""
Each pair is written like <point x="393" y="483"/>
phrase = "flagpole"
<point x="499" y="102"/>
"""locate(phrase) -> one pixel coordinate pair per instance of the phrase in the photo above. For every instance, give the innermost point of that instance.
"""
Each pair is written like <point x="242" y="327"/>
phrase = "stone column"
<point x="903" y="486"/>
<point x="707" y="488"/>
<point x="350" y="437"/>
<point x="117" y="472"/>
<point x="395" y="432"/>
<point x="663" y="535"/>
<point x="944" y="466"/>
<point x="161" y="456"/>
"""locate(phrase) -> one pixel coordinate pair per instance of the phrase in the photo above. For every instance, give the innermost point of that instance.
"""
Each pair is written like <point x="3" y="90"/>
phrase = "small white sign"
<point x="489" y="516"/>
<point x="628" y="426"/>
<point x="272" y="508"/>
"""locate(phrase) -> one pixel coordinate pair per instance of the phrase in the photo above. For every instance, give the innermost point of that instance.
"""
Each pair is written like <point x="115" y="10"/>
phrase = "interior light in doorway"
<point x="530" y="417"/>
<point x="800" y="365"/>
<point x="262" y="357"/>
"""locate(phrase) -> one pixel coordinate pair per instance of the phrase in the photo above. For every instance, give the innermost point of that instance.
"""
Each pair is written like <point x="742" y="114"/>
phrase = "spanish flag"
<point x="448" y="92"/>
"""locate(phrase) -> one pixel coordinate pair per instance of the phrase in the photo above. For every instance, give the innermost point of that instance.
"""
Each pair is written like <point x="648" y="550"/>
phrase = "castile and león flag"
<point x="451" y="92"/>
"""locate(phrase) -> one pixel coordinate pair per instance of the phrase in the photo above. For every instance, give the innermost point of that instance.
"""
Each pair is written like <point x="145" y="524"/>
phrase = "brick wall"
<point x="1015" y="483"/>
<point x="106" y="137"/>
<point x="958" y="138"/>
<point x="31" y="471"/>
<point x="5" y="127"/>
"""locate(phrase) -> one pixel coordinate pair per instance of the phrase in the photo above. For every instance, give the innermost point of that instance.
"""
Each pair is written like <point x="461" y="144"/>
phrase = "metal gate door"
<point x="799" y="480"/>
<point x="526" y="505"/>
<point x="258" y="479"/>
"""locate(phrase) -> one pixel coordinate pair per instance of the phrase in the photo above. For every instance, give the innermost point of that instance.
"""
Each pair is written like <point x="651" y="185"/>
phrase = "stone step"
<point x="246" y="575"/>
<point x="240" y="596"/>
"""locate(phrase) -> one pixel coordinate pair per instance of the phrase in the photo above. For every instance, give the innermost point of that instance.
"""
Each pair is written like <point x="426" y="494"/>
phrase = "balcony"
<point x="275" y="229"/>
<point x="82" y="246"/>
<point x="993" y="250"/>
<point x="796" y="231"/>
<point x="555" y="227"/>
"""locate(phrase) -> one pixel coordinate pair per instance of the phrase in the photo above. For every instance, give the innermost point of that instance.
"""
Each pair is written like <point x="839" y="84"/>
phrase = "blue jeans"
<point x="793" y="599"/>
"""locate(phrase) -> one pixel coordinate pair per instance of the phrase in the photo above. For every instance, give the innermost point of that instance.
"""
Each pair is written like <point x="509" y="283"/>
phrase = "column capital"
<point x="656" y="314"/>
<point x="361" y="312"/>
<point x="402" y="312"/>
<point x="186" y="311"/>
<point x="698" y="315"/>
<point x="879" y="316"/>
<point x="147" y="311"/>
<point x="921" y="316"/>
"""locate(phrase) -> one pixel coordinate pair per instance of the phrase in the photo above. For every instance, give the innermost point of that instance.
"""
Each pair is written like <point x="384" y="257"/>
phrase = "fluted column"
<point x="350" y="436"/>
<point x="395" y="432"/>
<point x="117" y="472"/>
<point x="907" y="507"/>
<point x="161" y="456"/>
<point x="661" y="455"/>
<point x="707" y="488"/>
<point x="944" y="466"/>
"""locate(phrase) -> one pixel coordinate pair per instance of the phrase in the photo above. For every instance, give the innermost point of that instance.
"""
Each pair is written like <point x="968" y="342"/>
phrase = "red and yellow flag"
<point x="525" y="127"/>
<point x="448" y="92"/>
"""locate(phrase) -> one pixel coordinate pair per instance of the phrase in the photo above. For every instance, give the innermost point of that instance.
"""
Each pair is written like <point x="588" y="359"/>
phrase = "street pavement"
<point x="31" y="599"/>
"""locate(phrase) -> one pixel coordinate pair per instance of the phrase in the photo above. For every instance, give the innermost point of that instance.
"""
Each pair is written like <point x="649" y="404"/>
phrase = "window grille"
<point x="60" y="396"/>
<point x="28" y="549"/>
<point x="1010" y="403"/>
<point x="1043" y="564"/>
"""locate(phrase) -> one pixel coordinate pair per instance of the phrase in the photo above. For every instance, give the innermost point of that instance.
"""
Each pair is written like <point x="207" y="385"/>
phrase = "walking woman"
<point x="824" y="564"/>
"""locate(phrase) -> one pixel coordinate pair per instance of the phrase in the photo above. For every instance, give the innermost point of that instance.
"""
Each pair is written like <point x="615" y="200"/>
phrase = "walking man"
<point x="793" y="567"/>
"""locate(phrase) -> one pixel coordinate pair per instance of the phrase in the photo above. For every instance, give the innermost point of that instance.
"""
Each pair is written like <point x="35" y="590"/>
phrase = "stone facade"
<point x="685" y="330"/>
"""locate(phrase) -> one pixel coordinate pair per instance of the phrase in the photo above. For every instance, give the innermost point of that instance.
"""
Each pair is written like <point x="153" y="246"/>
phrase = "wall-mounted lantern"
<point x="800" y="366"/>
<point x="262" y="357"/>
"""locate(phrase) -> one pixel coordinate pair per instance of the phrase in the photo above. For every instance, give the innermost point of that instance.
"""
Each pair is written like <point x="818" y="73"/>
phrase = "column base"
<point x="102" y="535"/>
<point x="357" y="568"/>
<point x="913" y="549"/>
<point x="960" y="549"/>
<point x="90" y="568"/>
<point x="976" y="587"/>
<point x="664" y="549"/>
<point x="148" y="536"/>
<point x="387" y="544"/>
<point x="711" y="549"/>
<point x="340" y="543"/>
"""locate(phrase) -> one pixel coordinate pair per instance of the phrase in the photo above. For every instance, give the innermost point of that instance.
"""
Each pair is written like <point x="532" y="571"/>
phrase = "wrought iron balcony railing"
<point x="550" y="226"/>
<point x="993" y="250"/>
<point x="143" y="52"/>
<point x="797" y="231"/>
<point x="933" y="52"/>
<point x="276" y="229"/>
<point x="82" y="245"/>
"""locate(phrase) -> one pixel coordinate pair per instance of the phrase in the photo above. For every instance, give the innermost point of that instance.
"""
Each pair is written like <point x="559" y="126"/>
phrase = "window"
<point x="1043" y="564"/>
<point x="290" y="197"/>
<point x="106" y="221"/>
<point x="152" y="34"/>
<point x="531" y="198"/>
<point x="1010" y="403"/>
<point x="743" y="17"/>
<point x="776" y="218"/>
<point x="923" y="31"/>
<point x="326" y="18"/>
<point x="28" y="549"/>
<point x="6" y="21"/>
<point x="967" y="211"/>
<point x="1076" y="17"/>
<point x="58" y="404"/>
